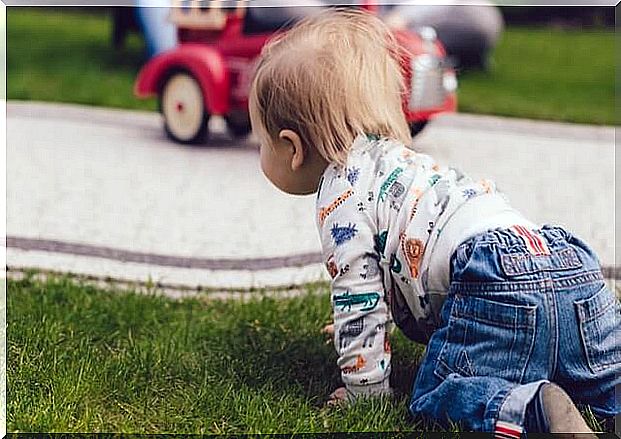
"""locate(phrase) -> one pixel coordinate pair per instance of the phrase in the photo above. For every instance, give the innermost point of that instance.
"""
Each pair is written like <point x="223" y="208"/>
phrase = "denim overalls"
<point x="525" y="307"/>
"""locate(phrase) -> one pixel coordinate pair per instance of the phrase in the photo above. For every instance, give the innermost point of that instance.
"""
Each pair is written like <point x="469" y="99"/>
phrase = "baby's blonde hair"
<point x="332" y="77"/>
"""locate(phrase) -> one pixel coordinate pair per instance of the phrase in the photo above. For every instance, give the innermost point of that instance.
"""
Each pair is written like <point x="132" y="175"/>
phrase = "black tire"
<point x="417" y="127"/>
<point x="238" y="123"/>
<point x="197" y="130"/>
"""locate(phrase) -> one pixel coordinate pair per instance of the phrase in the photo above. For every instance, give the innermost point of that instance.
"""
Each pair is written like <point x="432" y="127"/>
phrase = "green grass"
<point x="547" y="74"/>
<point x="538" y="73"/>
<point x="82" y="359"/>
<point x="66" y="56"/>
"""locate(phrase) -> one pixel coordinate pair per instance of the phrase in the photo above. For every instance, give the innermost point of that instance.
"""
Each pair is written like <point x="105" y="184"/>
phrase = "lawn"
<point x="82" y="359"/>
<point x="67" y="56"/>
<point x="540" y="73"/>
<point x="547" y="74"/>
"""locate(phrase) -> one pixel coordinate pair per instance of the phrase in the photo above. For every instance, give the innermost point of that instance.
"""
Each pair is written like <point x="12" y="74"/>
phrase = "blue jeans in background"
<point x="515" y="319"/>
<point x="160" y="34"/>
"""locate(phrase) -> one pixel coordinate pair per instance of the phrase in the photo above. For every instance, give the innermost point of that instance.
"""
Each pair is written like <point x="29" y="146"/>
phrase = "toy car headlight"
<point x="427" y="33"/>
<point x="450" y="81"/>
<point x="427" y="86"/>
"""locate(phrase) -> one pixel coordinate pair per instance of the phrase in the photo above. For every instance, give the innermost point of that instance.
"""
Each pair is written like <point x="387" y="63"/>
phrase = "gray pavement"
<point x="103" y="193"/>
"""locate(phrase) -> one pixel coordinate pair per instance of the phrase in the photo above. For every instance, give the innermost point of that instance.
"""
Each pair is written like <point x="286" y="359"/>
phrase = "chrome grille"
<point x="428" y="84"/>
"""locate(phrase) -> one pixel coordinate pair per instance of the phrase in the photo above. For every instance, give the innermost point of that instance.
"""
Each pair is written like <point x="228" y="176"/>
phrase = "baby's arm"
<point x="359" y="306"/>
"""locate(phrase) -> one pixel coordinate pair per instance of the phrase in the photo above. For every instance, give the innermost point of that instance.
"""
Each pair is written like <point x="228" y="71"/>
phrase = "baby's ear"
<point x="297" y="150"/>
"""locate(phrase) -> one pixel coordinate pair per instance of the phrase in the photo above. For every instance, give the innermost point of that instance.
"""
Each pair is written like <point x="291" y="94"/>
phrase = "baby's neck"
<point x="311" y="173"/>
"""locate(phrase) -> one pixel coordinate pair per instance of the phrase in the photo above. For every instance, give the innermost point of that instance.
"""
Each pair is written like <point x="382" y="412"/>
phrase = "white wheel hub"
<point x="182" y="106"/>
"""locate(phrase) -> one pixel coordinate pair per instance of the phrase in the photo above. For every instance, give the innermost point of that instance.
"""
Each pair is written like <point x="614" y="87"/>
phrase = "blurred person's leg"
<point x="159" y="33"/>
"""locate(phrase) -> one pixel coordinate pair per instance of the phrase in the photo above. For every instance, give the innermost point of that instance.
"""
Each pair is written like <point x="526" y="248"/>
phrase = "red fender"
<point x="204" y="62"/>
<point x="370" y="6"/>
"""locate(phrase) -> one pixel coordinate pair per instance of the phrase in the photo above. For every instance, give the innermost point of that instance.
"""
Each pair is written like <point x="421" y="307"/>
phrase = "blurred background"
<point x="553" y="63"/>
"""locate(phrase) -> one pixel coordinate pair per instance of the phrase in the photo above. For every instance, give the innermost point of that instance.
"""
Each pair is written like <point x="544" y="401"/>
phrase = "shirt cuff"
<point x="375" y="389"/>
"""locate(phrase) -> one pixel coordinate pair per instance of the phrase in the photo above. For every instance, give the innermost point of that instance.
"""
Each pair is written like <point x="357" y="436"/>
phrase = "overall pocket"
<point x="487" y="338"/>
<point x="600" y="329"/>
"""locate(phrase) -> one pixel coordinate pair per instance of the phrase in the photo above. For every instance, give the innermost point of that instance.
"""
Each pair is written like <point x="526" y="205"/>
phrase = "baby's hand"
<point x="329" y="330"/>
<point x="342" y="395"/>
<point x="338" y="396"/>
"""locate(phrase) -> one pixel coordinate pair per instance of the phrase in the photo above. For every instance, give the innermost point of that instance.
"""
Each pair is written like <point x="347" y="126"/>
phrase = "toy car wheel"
<point x="417" y="127"/>
<point x="238" y="123"/>
<point x="183" y="108"/>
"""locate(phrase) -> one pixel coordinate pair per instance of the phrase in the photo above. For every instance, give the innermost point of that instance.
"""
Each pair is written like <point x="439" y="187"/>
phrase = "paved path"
<point x="102" y="192"/>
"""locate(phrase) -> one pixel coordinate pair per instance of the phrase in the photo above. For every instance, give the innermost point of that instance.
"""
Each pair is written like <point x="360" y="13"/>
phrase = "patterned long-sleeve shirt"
<point x="387" y="240"/>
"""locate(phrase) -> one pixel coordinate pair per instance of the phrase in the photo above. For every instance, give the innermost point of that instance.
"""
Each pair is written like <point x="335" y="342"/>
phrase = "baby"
<point x="515" y="316"/>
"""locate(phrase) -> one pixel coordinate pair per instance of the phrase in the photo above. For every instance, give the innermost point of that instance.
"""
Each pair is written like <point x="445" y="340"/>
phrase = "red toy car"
<point x="210" y="71"/>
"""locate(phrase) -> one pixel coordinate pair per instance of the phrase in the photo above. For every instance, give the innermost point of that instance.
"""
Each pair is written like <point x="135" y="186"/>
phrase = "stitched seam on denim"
<point x="604" y="310"/>
<point x="555" y="333"/>
<point x="594" y="274"/>
<point x="470" y="371"/>
<point x="514" y="325"/>
<point x="463" y="341"/>
<point x="533" y="330"/>
<point x="591" y="354"/>
<point x="443" y="348"/>
<point x="445" y="365"/>
<point x="590" y="351"/>
<point x="495" y="287"/>
<point x="587" y="277"/>
<point x="463" y="372"/>
<point x="583" y="339"/>
<point x="514" y="333"/>
<point x="603" y="365"/>
<point x="513" y="264"/>
<point x="537" y="285"/>
<point x="464" y="312"/>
